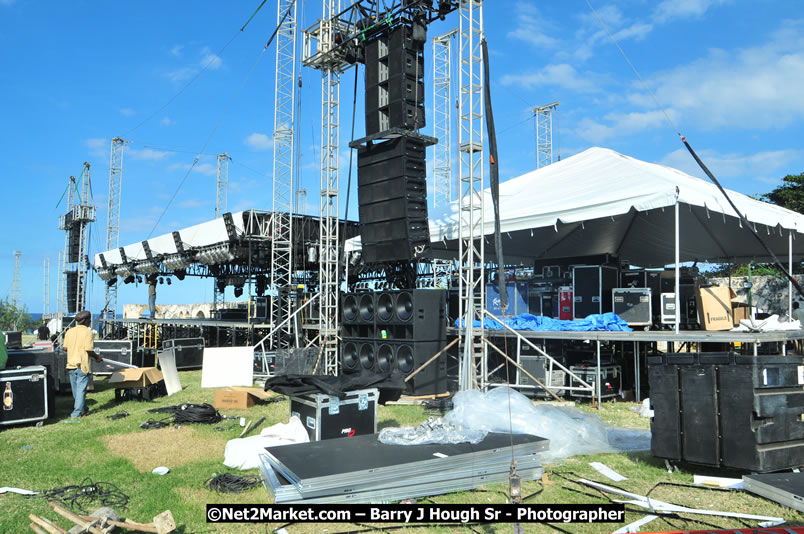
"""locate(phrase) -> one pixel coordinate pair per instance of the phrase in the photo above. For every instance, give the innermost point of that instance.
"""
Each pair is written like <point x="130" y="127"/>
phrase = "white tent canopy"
<point x="602" y="202"/>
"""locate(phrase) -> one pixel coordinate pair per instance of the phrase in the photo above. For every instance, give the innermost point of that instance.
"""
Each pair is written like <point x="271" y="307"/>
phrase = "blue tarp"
<point x="607" y="321"/>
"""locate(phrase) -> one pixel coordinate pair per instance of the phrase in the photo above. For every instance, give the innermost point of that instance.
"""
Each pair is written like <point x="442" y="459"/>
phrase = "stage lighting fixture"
<point x="238" y="291"/>
<point x="111" y="281"/>
<point x="180" y="274"/>
<point x="128" y="279"/>
<point x="221" y="283"/>
<point x="139" y="279"/>
<point x="168" y="281"/>
<point x="161" y="280"/>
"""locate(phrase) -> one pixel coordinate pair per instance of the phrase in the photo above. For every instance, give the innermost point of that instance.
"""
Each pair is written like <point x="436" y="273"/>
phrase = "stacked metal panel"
<point x="361" y="469"/>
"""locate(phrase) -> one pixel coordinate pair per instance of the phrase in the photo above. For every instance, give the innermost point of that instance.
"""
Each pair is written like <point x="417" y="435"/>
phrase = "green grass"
<point x="63" y="454"/>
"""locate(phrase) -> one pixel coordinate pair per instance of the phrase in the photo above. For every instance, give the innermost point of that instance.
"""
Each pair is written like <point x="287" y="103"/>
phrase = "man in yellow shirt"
<point x="79" y="344"/>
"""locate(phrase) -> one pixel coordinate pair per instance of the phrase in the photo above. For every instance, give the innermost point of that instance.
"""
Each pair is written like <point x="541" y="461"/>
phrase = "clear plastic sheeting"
<point x="571" y="431"/>
<point x="434" y="430"/>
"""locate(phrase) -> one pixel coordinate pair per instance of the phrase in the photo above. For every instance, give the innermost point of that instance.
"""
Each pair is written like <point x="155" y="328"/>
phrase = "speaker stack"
<point x="392" y="199"/>
<point x="394" y="82"/>
<point x="396" y="331"/>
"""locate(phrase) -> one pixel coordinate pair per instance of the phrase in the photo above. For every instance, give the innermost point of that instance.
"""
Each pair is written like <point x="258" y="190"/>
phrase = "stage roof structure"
<point x="602" y="202"/>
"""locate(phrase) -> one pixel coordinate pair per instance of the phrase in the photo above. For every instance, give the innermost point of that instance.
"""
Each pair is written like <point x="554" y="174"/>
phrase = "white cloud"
<point x="148" y="154"/>
<point x="166" y="121"/>
<point x="561" y="75"/>
<point x="757" y="166"/>
<point x="203" y="168"/>
<point x="620" y="124"/>
<point x="98" y="147"/>
<point x="259" y="141"/>
<point x="96" y="142"/>
<point x="676" y="9"/>
<point x="181" y="74"/>
<point x="127" y="112"/>
<point x="530" y="26"/>
<point x="191" y="203"/>
<point x="176" y="50"/>
<point x="209" y="60"/>
<point x="7" y="2"/>
<point x="757" y="88"/>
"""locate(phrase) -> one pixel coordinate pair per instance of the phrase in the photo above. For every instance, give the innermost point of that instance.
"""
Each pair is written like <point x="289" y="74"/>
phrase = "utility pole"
<point x="284" y="156"/>
<point x="109" y="311"/>
<point x="16" y="284"/>
<point x="221" y="205"/>
<point x="543" y="116"/>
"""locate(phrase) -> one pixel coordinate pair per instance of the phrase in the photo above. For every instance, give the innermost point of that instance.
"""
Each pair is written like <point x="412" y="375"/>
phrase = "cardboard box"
<point x="714" y="307"/>
<point x="135" y="378"/>
<point x="740" y="311"/>
<point x="239" y="397"/>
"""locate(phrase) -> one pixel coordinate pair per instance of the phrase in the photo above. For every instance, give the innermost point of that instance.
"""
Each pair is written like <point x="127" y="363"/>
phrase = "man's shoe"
<point x="72" y="420"/>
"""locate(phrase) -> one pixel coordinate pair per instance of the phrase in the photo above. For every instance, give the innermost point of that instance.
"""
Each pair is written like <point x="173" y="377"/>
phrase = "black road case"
<point x="610" y="379"/>
<point x="326" y="417"/>
<point x="26" y="395"/>
<point x="189" y="351"/>
<point x="633" y="305"/>
<point x="112" y="351"/>
<point x="591" y="289"/>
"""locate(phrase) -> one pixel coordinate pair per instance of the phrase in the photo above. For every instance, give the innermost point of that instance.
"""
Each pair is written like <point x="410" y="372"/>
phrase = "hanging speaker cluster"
<point x="396" y="331"/>
<point x="395" y="81"/>
<point x="392" y="199"/>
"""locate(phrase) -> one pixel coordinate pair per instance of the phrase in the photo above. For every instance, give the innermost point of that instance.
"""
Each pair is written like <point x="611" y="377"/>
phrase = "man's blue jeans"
<point x="79" y="382"/>
<point x="152" y="305"/>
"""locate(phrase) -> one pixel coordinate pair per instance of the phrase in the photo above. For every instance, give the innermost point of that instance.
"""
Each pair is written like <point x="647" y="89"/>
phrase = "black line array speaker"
<point x="394" y="82"/>
<point x="73" y="306"/>
<point x="392" y="199"/>
<point x="396" y="331"/>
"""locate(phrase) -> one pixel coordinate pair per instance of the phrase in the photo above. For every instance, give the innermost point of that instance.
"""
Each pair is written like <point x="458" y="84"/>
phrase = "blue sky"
<point x="76" y="74"/>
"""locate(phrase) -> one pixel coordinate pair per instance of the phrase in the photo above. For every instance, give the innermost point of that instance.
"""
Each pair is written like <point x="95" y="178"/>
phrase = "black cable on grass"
<point x="117" y="416"/>
<point x="689" y="486"/>
<point x="191" y="413"/>
<point x="76" y="498"/>
<point x="150" y="424"/>
<point x="230" y="483"/>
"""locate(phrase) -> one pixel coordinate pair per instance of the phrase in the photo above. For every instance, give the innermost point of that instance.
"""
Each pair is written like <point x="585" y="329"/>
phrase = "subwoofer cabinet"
<point x="724" y="409"/>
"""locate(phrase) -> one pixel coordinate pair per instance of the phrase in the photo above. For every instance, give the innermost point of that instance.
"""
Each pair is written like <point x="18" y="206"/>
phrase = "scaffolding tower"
<point x="442" y="118"/>
<point x="284" y="156"/>
<point x="16" y="284"/>
<point x="321" y="53"/>
<point x="74" y="262"/>
<point x="109" y="311"/>
<point x="470" y="228"/>
<point x="46" y="289"/>
<point x="543" y="115"/>
<point x="221" y="205"/>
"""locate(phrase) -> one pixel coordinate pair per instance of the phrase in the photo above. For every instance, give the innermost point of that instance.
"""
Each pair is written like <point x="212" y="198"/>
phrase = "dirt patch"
<point x="171" y="447"/>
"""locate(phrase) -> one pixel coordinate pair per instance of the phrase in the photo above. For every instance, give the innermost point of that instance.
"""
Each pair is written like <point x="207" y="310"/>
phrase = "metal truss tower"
<point x="46" y="290"/>
<point x="544" y="134"/>
<point x="16" y="284"/>
<point x="284" y="156"/>
<point x="320" y="53"/>
<point x="74" y="263"/>
<point x="471" y="231"/>
<point x="442" y="118"/>
<point x="221" y="205"/>
<point x="113" y="222"/>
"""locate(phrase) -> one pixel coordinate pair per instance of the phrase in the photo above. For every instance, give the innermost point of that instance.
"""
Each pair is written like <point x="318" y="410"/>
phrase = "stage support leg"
<point x="598" y="390"/>
<point x="637" y="385"/>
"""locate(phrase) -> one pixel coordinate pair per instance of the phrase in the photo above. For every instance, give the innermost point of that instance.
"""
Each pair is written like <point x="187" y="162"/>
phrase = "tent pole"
<point x="790" y="270"/>
<point x="678" y="272"/>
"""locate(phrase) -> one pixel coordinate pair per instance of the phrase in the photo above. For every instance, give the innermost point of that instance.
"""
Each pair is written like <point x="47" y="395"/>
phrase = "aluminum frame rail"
<point x="284" y="156"/>
<point x="221" y="206"/>
<point x="392" y="470"/>
<point x="471" y="233"/>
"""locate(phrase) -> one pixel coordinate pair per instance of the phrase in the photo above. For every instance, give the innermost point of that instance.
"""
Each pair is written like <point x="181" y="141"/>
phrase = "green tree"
<point x="790" y="194"/>
<point x="13" y="317"/>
